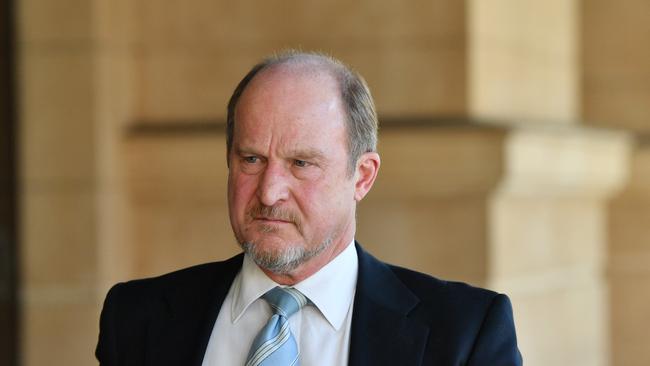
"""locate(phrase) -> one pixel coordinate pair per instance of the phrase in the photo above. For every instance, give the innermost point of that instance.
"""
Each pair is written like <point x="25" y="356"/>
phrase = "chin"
<point x="275" y="257"/>
<point x="279" y="257"/>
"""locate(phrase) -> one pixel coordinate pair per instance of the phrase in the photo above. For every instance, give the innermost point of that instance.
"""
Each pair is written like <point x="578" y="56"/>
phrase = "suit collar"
<point x="382" y="332"/>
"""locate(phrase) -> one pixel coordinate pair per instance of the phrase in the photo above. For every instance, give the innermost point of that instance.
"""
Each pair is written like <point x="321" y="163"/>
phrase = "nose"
<point x="274" y="185"/>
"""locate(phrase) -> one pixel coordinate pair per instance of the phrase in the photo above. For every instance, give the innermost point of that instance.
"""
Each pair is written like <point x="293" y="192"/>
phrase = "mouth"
<point x="271" y="220"/>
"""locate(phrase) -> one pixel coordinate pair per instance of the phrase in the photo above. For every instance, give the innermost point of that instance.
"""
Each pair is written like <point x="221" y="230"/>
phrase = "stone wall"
<point x="508" y="127"/>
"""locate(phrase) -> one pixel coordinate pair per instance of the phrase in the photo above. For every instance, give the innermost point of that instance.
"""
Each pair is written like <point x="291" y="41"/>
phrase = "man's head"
<point x="361" y="117"/>
<point x="301" y="153"/>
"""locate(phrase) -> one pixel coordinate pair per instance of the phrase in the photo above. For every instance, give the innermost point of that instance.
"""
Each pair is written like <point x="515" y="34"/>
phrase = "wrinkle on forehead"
<point x="291" y="110"/>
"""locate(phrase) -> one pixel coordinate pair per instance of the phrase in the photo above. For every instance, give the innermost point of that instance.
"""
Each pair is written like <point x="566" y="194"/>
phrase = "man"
<point x="301" y="150"/>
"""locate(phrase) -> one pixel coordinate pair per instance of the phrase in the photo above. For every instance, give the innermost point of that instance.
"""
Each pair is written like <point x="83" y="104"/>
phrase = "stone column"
<point x="629" y="264"/>
<point x="616" y="85"/>
<point x="547" y="223"/>
<point x="548" y="237"/>
<point x="71" y="90"/>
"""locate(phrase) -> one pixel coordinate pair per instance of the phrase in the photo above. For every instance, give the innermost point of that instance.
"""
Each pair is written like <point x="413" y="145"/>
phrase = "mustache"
<point x="275" y="213"/>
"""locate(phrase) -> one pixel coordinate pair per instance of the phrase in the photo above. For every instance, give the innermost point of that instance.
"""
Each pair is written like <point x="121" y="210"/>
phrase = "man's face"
<point x="290" y="194"/>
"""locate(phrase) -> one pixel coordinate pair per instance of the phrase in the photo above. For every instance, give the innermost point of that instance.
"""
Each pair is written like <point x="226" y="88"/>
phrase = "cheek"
<point x="241" y="190"/>
<point x="325" y="199"/>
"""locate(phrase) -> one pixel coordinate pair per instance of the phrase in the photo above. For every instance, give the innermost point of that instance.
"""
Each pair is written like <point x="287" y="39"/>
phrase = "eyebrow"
<point x="307" y="153"/>
<point x="240" y="151"/>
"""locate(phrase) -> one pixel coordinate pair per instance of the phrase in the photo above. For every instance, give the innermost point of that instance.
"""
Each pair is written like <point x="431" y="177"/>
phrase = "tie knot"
<point x="285" y="301"/>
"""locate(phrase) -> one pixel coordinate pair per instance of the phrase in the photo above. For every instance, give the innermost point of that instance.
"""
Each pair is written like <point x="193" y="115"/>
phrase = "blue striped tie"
<point x="274" y="344"/>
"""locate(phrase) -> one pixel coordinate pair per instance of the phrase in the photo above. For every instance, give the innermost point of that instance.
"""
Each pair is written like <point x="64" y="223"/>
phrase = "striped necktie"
<point x="274" y="345"/>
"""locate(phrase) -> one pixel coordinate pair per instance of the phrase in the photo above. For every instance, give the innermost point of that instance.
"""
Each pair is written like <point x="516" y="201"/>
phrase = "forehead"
<point x="290" y="103"/>
<point x="289" y="87"/>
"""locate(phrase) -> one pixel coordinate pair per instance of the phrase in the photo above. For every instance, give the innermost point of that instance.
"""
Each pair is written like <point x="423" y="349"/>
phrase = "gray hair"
<point x="361" y="121"/>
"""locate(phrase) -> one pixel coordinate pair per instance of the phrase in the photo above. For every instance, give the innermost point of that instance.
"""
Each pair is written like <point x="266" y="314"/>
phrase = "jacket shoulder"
<point x="431" y="289"/>
<point x="477" y="323"/>
<point x="179" y="277"/>
<point x="186" y="279"/>
<point x="133" y="309"/>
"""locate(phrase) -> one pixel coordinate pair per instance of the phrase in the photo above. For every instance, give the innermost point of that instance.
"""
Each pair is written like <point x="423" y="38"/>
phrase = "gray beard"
<point x="283" y="261"/>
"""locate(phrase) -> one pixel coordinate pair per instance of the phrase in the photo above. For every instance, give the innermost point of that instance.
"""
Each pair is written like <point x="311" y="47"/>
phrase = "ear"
<point x="365" y="175"/>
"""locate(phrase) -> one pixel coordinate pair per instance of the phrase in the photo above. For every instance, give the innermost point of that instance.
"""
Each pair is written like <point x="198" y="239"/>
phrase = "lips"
<point x="271" y="219"/>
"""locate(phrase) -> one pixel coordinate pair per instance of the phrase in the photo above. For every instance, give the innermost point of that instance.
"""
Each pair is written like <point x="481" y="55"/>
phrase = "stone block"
<point x="170" y="236"/>
<point x="444" y="161"/>
<point x="616" y="63"/>
<point x="369" y="20"/>
<point x="617" y="102"/>
<point x="176" y="199"/>
<point x="562" y="325"/>
<point x="54" y="21"/>
<point x="56" y="107"/>
<point x="443" y="236"/>
<point x="630" y="301"/>
<point x="189" y="169"/>
<point x="533" y="234"/>
<point x="191" y="57"/>
<point x="637" y="186"/>
<point x="629" y="264"/>
<point x="629" y="233"/>
<point x="209" y="20"/>
<point x="566" y="161"/>
<point x="412" y="77"/>
<point x="188" y="82"/>
<point x="58" y="332"/>
<point x="116" y="92"/>
<point x="523" y="57"/>
<point x="116" y="21"/>
<point x="296" y="20"/>
<point x="59" y="237"/>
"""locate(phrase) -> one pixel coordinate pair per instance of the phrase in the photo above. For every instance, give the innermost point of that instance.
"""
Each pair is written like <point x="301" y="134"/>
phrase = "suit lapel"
<point x="382" y="333"/>
<point x="181" y="332"/>
<point x="221" y="289"/>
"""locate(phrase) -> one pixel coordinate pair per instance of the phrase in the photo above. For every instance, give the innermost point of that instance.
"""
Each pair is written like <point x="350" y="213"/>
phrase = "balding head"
<point x="354" y="93"/>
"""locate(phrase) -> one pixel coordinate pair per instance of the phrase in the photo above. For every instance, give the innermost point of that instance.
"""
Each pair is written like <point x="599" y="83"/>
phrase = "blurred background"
<point x="515" y="139"/>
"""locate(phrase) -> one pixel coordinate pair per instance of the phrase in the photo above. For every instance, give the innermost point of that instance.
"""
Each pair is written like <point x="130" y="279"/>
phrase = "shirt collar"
<point x="331" y="289"/>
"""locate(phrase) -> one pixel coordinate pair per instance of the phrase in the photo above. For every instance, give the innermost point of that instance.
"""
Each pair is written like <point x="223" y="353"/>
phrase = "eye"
<point x="251" y="164"/>
<point x="300" y="163"/>
<point x="251" y="159"/>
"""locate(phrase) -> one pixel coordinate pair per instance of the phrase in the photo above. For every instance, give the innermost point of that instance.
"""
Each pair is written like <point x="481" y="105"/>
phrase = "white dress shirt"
<point x="321" y="328"/>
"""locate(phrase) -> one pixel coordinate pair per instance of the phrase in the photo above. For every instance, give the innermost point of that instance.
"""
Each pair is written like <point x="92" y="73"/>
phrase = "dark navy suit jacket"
<point x="400" y="317"/>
